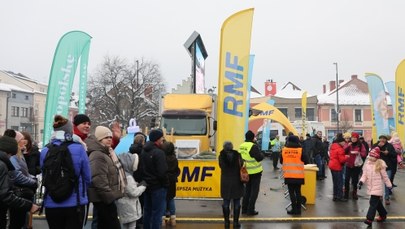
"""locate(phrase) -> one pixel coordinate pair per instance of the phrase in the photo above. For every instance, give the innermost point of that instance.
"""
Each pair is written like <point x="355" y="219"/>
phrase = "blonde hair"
<point x="379" y="165"/>
<point x="347" y="135"/>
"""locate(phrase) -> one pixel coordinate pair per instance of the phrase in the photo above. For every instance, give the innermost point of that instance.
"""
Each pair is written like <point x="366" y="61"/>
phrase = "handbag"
<point x="244" y="175"/>
<point x="358" y="161"/>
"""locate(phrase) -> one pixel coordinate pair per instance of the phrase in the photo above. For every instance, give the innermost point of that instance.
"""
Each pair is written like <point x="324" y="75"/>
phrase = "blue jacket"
<point x="82" y="169"/>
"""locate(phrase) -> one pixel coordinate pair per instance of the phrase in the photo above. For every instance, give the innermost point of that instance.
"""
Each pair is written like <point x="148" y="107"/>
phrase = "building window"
<point x="15" y="111"/>
<point x="24" y="112"/>
<point x="284" y="111"/>
<point x="14" y="95"/>
<point x="358" y="115"/>
<point x="27" y="97"/>
<point x="298" y="113"/>
<point x="333" y="115"/>
<point x="310" y="114"/>
<point x="16" y="128"/>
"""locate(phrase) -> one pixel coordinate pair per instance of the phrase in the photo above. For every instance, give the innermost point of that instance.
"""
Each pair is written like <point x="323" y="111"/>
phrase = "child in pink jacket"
<point x="374" y="176"/>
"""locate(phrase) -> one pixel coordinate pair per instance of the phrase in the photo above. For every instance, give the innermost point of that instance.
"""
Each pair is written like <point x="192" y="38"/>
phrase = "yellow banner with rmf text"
<point x="233" y="78"/>
<point x="400" y="100"/>
<point x="198" y="179"/>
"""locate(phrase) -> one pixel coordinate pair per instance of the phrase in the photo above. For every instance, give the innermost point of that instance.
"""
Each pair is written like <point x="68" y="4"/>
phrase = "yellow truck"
<point x="188" y="120"/>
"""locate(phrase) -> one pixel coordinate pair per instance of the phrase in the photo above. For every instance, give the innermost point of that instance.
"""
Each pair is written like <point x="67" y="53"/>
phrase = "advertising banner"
<point x="198" y="179"/>
<point x="233" y="77"/>
<point x="400" y="100"/>
<point x="68" y="52"/>
<point x="390" y="85"/>
<point x="378" y="103"/>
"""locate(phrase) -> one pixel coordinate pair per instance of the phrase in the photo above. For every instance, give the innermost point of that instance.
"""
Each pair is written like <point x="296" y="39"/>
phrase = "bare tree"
<point x="121" y="91"/>
<point x="345" y="124"/>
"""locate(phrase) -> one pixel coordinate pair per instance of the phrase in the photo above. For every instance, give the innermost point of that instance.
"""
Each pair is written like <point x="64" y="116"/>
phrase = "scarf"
<point x="121" y="173"/>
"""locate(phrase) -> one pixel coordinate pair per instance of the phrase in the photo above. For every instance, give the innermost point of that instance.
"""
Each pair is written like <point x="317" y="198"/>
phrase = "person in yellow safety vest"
<point x="293" y="160"/>
<point x="275" y="151"/>
<point x="253" y="156"/>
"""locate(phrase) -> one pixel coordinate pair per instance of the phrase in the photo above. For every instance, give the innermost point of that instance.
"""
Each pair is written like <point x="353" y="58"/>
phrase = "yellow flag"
<point x="304" y="113"/>
<point x="233" y="77"/>
<point x="400" y="99"/>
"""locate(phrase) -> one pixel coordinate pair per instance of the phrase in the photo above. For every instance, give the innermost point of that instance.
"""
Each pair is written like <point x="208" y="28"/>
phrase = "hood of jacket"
<point x="94" y="145"/>
<point x="136" y="148"/>
<point x="149" y="146"/>
<point x="4" y="158"/>
<point x="127" y="161"/>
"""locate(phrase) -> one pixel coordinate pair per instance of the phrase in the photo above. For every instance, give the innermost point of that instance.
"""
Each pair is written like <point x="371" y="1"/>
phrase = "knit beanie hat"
<point x="375" y="152"/>
<point x="339" y="138"/>
<point x="8" y="145"/>
<point x="155" y="135"/>
<point x="355" y="135"/>
<point x="18" y="136"/>
<point x="61" y="123"/>
<point x="81" y="118"/>
<point x="228" y="146"/>
<point x="102" y="132"/>
<point x="249" y="136"/>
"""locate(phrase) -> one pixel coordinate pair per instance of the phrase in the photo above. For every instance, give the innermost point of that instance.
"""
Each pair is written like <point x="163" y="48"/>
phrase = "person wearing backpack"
<point x="65" y="151"/>
<point x="108" y="178"/>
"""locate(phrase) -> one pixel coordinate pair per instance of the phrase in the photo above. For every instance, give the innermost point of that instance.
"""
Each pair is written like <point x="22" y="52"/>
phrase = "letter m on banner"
<point x="72" y="46"/>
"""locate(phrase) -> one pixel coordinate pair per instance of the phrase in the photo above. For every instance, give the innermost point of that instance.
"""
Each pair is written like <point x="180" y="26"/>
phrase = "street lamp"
<point x="337" y="97"/>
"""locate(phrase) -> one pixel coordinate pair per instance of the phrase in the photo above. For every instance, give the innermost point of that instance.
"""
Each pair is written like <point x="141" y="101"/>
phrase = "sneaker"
<point x="368" y="222"/>
<point x="381" y="219"/>
<point x="387" y="202"/>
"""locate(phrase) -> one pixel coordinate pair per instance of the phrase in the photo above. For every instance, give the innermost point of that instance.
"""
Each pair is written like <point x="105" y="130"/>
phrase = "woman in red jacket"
<point x="337" y="159"/>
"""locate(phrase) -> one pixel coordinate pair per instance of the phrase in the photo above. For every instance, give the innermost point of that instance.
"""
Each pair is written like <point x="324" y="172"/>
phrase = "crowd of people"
<point x="351" y="160"/>
<point x="79" y="169"/>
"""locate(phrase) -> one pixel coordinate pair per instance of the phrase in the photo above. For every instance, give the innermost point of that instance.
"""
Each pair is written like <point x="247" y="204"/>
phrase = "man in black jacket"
<point x="8" y="147"/>
<point x="154" y="173"/>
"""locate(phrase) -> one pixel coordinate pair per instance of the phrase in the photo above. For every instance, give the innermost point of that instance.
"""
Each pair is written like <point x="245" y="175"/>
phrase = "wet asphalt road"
<point x="271" y="205"/>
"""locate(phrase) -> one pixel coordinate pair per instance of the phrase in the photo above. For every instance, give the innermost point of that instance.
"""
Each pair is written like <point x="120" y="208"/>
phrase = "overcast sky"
<point x="292" y="40"/>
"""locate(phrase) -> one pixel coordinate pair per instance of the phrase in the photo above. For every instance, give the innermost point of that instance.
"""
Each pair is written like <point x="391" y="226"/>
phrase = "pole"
<point x="337" y="97"/>
<point x="137" y="72"/>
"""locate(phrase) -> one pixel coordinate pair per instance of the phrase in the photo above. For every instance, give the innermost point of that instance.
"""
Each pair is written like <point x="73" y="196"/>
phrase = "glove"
<point x="360" y="184"/>
<point x="142" y="188"/>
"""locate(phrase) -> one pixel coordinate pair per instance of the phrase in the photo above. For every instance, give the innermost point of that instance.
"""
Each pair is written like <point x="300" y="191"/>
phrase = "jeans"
<point x="295" y="194"/>
<point x="376" y="205"/>
<point x="154" y="208"/>
<point x="236" y="203"/>
<point x="94" y="224"/>
<point x="251" y="193"/>
<point x="170" y="207"/>
<point x="319" y="163"/>
<point x="387" y="190"/>
<point x="337" y="179"/>
<point x="275" y="156"/>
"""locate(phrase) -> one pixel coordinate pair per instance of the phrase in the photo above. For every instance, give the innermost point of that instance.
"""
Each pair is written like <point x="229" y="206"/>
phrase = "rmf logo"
<point x="197" y="174"/>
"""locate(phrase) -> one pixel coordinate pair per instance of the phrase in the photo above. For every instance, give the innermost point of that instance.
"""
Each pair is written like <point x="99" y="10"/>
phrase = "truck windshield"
<point x="185" y="125"/>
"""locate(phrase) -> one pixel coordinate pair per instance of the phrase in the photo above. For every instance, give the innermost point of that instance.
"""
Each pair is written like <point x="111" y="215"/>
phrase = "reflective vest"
<point x="252" y="165"/>
<point x="293" y="167"/>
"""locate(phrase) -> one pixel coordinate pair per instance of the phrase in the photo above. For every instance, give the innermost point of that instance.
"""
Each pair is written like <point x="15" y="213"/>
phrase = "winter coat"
<point x="337" y="157"/>
<point x="82" y="170"/>
<point x="154" y="167"/>
<point x="32" y="160"/>
<point x="137" y="149"/>
<point x="104" y="185"/>
<point x="129" y="207"/>
<point x="391" y="158"/>
<point x="173" y="172"/>
<point x="375" y="180"/>
<point x="20" y="177"/>
<point x="359" y="147"/>
<point x="230" y="163"/>
<point x="7" y="197"/>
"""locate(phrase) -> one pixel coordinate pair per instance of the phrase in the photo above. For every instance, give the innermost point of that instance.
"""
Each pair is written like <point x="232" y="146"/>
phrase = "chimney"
<point x="354" y="77"/>
<point x="332" y="85"/>
<point x="324" y="88"/>
<point x="340" y="82"/>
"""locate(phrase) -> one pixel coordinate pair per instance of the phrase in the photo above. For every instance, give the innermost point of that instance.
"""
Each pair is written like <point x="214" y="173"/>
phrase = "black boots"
<point x="236" y="214"/>
<point x="295" y="210"/>
<point x="355" y="196"/>
<point x="226" y="212"/>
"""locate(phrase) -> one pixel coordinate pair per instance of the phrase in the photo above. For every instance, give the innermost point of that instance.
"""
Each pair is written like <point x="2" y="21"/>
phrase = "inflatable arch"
<point x="267" y="111"/>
